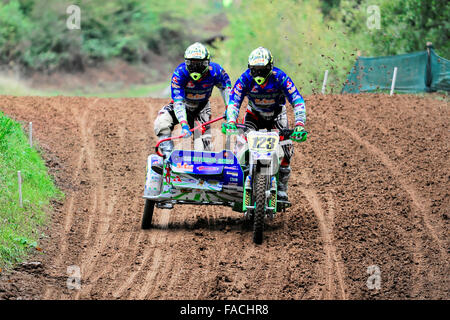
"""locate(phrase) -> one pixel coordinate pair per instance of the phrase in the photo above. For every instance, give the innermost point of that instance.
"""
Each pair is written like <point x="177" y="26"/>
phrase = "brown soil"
<point x="369" y="187"/>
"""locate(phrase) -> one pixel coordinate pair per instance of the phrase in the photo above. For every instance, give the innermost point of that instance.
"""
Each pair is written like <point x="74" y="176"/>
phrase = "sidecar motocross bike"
<point x="244" y="179"/>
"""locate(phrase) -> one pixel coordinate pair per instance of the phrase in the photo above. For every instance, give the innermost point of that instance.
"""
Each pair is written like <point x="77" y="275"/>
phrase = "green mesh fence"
<point x="440" y="73"/>
<point x="416" y="72"/>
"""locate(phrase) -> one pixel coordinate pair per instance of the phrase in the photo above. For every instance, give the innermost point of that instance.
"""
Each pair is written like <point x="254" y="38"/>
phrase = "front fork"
<point x="271" y="197"/>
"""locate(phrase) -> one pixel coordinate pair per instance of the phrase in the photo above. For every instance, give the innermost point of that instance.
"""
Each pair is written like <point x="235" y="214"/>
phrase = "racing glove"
<point x="299" y="134"/>
<point x="229" y="128"/>
<point x="185" y="130"/>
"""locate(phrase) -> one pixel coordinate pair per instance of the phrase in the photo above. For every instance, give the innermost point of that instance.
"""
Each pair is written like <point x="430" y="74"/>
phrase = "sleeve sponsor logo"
<point x="288" y="84"/>
<point x="239" y="86"/>
<point x="175" y="85"/>
<point x="297" y="96"/>
<point x="299" y="106"/>
<point x="291" y="90"/>
<point x="175" y="79"/>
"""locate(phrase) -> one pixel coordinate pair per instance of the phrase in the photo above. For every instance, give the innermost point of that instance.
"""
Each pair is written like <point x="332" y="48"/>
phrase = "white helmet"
<point x="260" y="63"/>
<point x="197" y="60"/>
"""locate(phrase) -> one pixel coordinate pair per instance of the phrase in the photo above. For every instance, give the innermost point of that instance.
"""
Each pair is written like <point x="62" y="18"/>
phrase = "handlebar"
<point x="283" y="133"/>
<point x="202" y="125"/>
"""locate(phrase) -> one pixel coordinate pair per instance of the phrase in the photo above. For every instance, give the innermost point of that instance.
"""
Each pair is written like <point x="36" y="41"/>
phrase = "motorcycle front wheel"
<point x="259" y="192"/>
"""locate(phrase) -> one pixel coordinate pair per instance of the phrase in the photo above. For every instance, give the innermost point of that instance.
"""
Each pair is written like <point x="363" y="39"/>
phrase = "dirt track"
<point x="369" y="187"/>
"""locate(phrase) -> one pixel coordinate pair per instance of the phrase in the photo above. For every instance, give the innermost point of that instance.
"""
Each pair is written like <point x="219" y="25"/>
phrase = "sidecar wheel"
<point x="148" y="214"/>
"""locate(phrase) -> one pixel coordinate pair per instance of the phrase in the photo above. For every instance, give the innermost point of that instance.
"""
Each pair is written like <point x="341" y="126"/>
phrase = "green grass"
<point x="21" y="228"/>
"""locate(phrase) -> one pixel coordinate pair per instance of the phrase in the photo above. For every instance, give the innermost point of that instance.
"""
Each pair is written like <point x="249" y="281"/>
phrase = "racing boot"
<point x="283" y="178"/>
<point x="166" y="149"/>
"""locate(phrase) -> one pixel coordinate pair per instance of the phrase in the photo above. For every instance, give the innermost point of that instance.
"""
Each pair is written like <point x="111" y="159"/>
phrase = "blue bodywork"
<point x="217" y="166"/>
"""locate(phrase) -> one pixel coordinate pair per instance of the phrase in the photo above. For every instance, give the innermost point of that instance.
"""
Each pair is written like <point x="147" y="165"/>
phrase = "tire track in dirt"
<point x="149" y="257"/>
<point x="158" y="239"/>
<point x="349" y="214"/>
<point x="111" y="270"/>
<point x="332" y="267"/>
<point x="108" y="226"/>
<point x="417" y="247"/>
<point x="155" y="277"/>
<point x="420" y="216"/>
<point x="143" y="236"/>
<point x="123" y="219"/>
<point x="421" y="265"/>
<point x="340" y="271"/>
<point x="97" y="247"/>
<point x="98" y="224"/>
<point x="68" y="221"/>
<point x="415" y="198"/>
<point x="422" y="204"/>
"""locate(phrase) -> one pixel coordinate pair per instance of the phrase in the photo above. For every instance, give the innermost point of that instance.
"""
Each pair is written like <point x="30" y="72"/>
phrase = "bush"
<point x="303" y="44"/>
<point x="34" y="33"/>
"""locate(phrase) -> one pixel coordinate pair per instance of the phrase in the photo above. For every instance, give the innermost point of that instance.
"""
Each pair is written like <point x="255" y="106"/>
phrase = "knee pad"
<point x="163" y="124"/>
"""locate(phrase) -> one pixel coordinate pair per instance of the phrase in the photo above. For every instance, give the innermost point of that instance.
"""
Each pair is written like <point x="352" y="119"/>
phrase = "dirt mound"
<point x="370" y="191"/>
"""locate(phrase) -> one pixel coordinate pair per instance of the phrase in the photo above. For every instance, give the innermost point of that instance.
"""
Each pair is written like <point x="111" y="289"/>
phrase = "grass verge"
<point x="21" y="228"/>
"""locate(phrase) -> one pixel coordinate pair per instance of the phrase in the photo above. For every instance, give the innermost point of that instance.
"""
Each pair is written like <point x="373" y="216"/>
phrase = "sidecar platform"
<point x="201" y="178"/>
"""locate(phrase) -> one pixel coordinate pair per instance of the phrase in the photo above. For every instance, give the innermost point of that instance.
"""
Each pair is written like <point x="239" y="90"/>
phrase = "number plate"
<point x="262" y="141"/>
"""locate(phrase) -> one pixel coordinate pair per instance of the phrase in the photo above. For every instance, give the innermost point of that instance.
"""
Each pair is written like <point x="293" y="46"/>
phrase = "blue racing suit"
<point x="266" y="110"/>
<point x="267" y="100"/>
<point x="189" y="95"/>
<point x="190" y="103"/>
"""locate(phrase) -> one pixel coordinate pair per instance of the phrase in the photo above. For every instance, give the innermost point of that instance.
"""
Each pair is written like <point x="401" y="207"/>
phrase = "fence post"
<point x="30" y="134"/>
<point x="325" y="78"/>
<point x="429" y="75"/>
<point x="394" y="78"/>
<point x="19" y="177"/>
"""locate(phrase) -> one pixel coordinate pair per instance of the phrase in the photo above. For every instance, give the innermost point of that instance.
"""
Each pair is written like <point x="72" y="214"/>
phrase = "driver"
<point x="266" y="88"/>
<point x="192" y="84"/>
